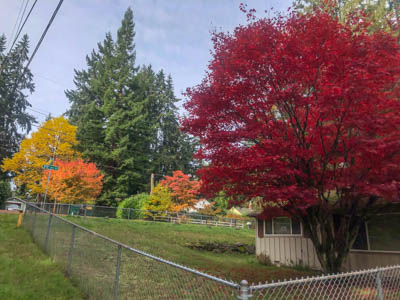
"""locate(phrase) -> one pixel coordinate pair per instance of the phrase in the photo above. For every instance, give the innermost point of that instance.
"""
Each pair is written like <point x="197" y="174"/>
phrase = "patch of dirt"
<point x="4" y="211"/>
<point x="218" y="247"/>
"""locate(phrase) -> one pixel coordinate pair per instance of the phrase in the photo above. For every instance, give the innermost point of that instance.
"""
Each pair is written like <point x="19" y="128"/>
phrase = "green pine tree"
<point x="126" y="117"/>
<point x="16" y="83"/>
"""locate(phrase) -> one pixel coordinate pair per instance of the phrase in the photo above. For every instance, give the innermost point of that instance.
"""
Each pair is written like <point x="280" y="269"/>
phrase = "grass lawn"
<point x="25" y="272"/>
<point x="170" y="241"/>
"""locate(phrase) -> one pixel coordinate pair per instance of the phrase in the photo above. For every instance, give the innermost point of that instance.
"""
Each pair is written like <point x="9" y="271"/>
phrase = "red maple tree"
<point x="183" y="191"/>
<point x="304" y="112"/>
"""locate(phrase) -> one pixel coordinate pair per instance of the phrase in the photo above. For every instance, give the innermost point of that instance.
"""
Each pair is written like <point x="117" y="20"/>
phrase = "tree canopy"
<point x="184" y="192"/>
<point x="54" y="139"/>
<point x="303" y="112"/>
<point x="75" y="181"/>
<point x="15" y="85"/>
<point x="159" y="201"/>
<point x="380" y="14"/>
<point x="127" y="117"/>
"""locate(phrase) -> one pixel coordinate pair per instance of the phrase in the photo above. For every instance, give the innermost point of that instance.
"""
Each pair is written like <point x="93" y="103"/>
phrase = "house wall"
<point x="287" y="250"/>
<point x="299" y="250"/>
<point x="363" y="259"/>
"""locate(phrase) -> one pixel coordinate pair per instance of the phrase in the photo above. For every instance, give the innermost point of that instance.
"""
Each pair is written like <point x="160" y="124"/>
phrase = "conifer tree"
<point x="126" y="117"/>
<point x="15" y="85"/>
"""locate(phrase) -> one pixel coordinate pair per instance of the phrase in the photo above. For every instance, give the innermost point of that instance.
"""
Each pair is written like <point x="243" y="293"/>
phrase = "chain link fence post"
<point x="129" y="214"/>
<point x="46" y="242"/>
<point x="379" y="285"/>
<point x="33" y="224"/>
<point x="71" y="247"/>
<point x="117" y="273"/>
<point x="244" y="292"/>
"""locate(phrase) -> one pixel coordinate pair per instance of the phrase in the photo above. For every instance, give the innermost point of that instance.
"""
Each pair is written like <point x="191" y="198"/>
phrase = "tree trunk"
<point x="332" y="236"/>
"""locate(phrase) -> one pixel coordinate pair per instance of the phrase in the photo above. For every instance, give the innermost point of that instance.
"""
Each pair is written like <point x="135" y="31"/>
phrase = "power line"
<point x="42" y="110"/>
<point x="51" y="80"/>
<point x="44" y="34"/>
<point x="38" y="44"/>
<point x="15" y="24"/>
<point x="20" y="21"/>
<point x="36" y="111"/>
<point x="22" y="27"/>
<point x="53" y="130"/>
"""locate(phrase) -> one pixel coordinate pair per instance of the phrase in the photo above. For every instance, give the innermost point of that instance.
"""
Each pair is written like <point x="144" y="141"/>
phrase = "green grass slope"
<point x="25" y="272"/>
<point x="170" y="241"/>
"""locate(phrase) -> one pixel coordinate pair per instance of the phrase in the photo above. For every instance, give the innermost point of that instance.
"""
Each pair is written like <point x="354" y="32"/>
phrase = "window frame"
<point x="370" y="250"/>
<point x="282" y="234"/>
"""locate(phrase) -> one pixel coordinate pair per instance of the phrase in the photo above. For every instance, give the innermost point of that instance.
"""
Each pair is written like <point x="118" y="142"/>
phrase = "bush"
<point x="5" y="192"/>
<point x="159" y="202"/>
<point x="135" y="202"/>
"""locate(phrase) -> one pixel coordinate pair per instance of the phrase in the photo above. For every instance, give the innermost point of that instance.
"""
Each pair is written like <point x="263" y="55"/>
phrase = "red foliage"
<point x="183" y="190"/>
<point x="300" y="111"/>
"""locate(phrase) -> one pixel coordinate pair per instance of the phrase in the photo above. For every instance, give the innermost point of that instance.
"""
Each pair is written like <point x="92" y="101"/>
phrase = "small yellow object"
<point x="20" y="217"/>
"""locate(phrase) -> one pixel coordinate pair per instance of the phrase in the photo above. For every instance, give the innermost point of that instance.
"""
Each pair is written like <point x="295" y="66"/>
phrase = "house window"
<point x="361" y="241"/>
<point x="282" y="226"/>
<point x="383" y="232"/>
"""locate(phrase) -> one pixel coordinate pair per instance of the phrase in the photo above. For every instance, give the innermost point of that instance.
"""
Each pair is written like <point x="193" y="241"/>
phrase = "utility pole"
<point x="50" y="166"/>
<point x="151" y="183"/>
<point x="47" y="185"/>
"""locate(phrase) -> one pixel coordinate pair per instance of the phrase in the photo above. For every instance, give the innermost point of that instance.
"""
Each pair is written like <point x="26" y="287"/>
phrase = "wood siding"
<point x="299" y="250"/>
<point x="287" y="250"/>
<point x="360" y="260"/>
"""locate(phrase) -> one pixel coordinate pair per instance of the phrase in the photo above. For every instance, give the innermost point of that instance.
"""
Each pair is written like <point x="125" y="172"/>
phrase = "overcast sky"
<point x="173" y="35"/>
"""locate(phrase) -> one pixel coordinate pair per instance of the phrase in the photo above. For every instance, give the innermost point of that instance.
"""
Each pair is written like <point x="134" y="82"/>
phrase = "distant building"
<point x="14" y="204"/>
<point x="240" y="211"/>
<point x="201" y="204"/>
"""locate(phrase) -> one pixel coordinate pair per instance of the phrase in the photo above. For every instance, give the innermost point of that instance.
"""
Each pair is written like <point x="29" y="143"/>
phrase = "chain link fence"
<point x="139" y="214"/>
<point x="106" y="269"/>
<point x="379" y="284"/>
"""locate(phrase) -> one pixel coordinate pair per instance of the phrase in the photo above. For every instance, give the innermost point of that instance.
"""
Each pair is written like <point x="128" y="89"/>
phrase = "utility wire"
<point x="20" y="21"/>
<point x="38" y="44"/>
<point x="42" y="110"/>
<point x="51" y="80"/>
<point x="36" y="111"/>
<point x="43" y="34"/>
<point x="22" y="27"/>
<point x="15" y="24"/>
<point x="53" y="130"/>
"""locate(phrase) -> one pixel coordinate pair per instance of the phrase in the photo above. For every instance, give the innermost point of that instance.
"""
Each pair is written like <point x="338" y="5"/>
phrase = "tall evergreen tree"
<point x="175" y="149"/>
<point x="126" y="117"/>
<point x="15" y="85"/>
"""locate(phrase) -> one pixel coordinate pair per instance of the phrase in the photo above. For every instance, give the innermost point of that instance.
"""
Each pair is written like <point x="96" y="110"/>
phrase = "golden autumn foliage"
<point x="159" y="201"/>
<point x="74" y="182"/>
<point x="54" y="139"/>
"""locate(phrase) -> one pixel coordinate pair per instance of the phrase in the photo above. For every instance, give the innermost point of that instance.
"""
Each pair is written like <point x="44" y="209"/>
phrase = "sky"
<point x="173" y="35"/>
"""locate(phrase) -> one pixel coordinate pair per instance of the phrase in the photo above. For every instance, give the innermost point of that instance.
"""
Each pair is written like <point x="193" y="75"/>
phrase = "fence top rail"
<point x="323" y="278"/>
<point x="220" y="280"/>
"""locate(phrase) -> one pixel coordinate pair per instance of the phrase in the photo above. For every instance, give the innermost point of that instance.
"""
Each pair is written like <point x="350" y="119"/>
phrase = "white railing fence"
<point x="140" y="214"/>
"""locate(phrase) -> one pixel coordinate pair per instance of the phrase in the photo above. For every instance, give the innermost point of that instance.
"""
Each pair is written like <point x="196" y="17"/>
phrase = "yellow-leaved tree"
<point x="54" y="139"/>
